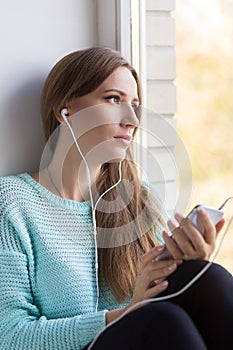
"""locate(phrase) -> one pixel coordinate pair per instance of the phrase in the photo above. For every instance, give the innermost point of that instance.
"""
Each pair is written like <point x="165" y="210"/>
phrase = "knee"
<point x="214" y="274"/>
<point x="162" y="316"/>
<point x="157" y="312"/>
<point x="213" y="278"/>
<point x="217" y="277"/>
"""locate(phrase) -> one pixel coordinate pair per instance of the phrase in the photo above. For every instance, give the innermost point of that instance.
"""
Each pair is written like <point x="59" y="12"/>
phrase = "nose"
<point x="128" y="116"/>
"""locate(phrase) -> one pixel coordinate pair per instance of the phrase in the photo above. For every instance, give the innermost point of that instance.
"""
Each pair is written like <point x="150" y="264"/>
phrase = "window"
<point x="144" y="32"/>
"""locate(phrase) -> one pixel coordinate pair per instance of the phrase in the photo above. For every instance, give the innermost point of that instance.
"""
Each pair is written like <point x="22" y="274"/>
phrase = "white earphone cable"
<point x="92" y="201"/>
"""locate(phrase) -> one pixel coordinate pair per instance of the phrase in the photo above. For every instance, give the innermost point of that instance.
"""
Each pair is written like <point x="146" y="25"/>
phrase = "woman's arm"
<point x="23" y="326"/>
<point x="22" y="323"/>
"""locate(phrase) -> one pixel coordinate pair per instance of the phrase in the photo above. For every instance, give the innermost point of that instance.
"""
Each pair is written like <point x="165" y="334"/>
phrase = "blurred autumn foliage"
<point x="204" y="83"/>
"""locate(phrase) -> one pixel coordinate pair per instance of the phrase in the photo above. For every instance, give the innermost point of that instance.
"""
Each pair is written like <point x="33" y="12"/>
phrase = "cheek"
<point x="97" y="136"/>
<point x="101" y="117"/>
<point x="102" y="133"/>
<point x="99" y="145"/>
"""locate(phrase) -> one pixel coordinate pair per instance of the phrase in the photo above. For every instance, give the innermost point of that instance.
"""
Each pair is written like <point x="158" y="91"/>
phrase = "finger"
<point x="182" y="240"/>
<point x="154" y="291"/>
<point x="182" y="231"/>
<point x="171" y="225"/>
<point x="209" y="228"/>
<point x="190" y="244"/>
<point x="220" y="225"/>
<point x="180" y="237"/>
<point x="201" y="244"/>
<point x="156" y="282"/>
<point x="191" y="237"/>
<point x="172" y="246"/>
<point x="160" y="271"/>
<point x="152" y="254"/>
<point x="162" y="265"/>
<point x="156" y="277"/>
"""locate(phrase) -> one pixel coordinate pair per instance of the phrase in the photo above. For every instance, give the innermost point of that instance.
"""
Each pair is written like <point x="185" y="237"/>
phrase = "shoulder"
<point x="9" y="184"/>
<point x="14" y="189"/>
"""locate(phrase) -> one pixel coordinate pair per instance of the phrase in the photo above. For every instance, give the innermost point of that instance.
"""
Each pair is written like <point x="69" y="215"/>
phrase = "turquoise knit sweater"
<point x="47" y="270"/>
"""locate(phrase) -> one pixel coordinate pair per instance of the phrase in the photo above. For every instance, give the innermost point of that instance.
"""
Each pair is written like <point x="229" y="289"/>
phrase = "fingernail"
<point x="172" y="267"/>
<point x="160" y="248"/>
<point x="201" y="211"/>
<point x="171" y="225"/>
<point x="179" y="262"/>
<point x="164" y="283"/>
<point x="165" y="233"/>
<point x="178" y="217"/>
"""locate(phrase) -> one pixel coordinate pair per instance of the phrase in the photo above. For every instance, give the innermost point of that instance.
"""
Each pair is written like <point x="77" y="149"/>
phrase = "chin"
<point x="118" y="157"/>
<point x="116" y="160"/>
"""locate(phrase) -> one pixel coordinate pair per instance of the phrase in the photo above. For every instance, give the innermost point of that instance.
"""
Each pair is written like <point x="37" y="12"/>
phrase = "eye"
<point x="135" y="107"/>
<point x="113" y="99"/>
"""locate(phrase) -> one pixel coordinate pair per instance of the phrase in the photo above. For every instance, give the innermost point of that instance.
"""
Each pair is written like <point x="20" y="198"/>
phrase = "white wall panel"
<point x="160" y="5"/>
<point x="161" y="63"/>
<point x="161" y="29"/>
<point x="161" y="98"/>
<point x="33" y="36"/>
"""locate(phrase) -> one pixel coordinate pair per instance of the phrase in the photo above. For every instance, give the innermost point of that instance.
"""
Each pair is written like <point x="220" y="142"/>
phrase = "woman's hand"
<point x="151" y="279"/>
<point x="187" y="242"/>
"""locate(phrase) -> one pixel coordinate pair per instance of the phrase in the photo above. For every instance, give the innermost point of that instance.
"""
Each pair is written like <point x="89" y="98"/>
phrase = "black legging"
<point x="200" y="318"/>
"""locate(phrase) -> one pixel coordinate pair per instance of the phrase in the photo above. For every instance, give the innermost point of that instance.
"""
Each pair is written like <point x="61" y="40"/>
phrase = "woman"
<point x="58" y="290"/>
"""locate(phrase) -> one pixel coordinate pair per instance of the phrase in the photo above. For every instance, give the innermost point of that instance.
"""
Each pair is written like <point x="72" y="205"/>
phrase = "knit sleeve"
<point x="22" y="325"/>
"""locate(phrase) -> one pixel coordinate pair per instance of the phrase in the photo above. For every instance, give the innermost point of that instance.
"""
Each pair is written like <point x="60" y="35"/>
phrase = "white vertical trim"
<point x="123" y="28"/>
<point x="143" y="77"/>
<point x="138" y="41"/>
<point x="142" y="51"/>
<point x="138" y="59"/>
<point x="114" y="25"/>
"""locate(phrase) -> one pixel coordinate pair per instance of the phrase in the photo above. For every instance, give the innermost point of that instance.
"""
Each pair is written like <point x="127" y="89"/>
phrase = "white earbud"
<point x="64" y="114"/>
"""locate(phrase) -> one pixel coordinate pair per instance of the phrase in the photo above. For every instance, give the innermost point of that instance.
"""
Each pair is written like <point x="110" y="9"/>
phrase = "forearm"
<point x="22" y="323"/>
<point x="114" y="314"/>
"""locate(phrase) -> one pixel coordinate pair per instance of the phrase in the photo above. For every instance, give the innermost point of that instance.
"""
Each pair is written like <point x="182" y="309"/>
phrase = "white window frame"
<point x="121" y="26"/>
<point x="114" y="25"/>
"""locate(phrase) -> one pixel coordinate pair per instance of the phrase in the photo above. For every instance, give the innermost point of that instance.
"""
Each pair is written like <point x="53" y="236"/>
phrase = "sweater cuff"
<point x="89" y="326"/>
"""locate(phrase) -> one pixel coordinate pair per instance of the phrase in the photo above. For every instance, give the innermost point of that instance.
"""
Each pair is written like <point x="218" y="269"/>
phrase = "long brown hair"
<point x="125" y="234"/>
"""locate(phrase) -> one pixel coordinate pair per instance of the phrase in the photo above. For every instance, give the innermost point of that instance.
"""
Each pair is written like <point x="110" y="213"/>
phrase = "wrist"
<point x="114" y="314"/>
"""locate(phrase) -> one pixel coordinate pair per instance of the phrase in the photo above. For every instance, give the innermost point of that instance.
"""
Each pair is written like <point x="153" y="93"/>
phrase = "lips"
<point x="124" y="137"/>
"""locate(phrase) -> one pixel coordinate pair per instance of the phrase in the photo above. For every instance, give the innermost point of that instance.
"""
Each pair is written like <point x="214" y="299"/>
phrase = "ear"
<point x="61" y="114"/>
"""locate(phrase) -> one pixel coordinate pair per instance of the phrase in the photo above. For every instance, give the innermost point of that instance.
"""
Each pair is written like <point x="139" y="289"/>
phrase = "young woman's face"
<point x="109" y="112"/>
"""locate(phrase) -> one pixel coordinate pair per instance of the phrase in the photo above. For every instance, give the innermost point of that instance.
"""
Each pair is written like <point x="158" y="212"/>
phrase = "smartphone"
<point x="214" y="214"/>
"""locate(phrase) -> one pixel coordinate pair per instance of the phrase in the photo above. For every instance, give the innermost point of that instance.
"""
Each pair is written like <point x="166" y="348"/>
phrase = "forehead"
<point x="123" y="80"/>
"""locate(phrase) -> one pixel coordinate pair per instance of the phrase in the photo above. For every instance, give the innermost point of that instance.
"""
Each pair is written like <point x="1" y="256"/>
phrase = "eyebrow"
<point x="122" y="93"/>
